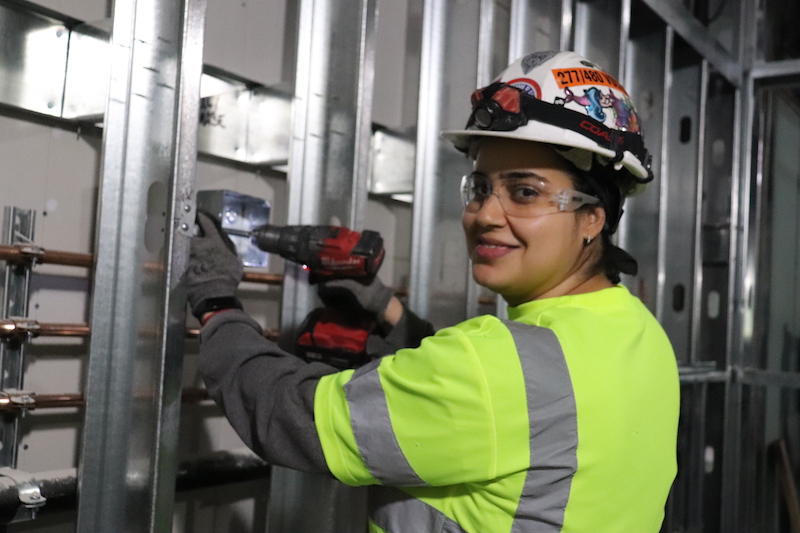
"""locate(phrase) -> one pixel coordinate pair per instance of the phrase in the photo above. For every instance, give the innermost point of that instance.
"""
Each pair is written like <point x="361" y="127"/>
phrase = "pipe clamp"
<point x="30" y="494"/>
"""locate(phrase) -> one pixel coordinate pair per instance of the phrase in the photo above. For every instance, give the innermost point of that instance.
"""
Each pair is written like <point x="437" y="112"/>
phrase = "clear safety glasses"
<point x="523" y="197"/>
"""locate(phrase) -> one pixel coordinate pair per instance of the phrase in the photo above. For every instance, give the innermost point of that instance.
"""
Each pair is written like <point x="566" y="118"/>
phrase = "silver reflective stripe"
<point x="553" y="426"/>
<point x="377" y="443"/>
<point x="395" y="511"/>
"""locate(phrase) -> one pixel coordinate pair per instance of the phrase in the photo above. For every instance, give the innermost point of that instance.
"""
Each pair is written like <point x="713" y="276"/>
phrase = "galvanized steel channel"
<point x="567" y="38"/>
<point x="743" y="259"/>
<point x="19" y="226"/>
<point x="59" y="67"/>
<point x="129" y="449"/>
<point x="678" y="17"/>
<point x="328" y="178"/>
<point x="697" y="254"/>
<point x="486" y="48"/>
<point x="785" y="71"/>
<point x="678" y="208"/>
<point x="449" y="66"/>
<point x="427" y="156"/>
<point x="539" y="25"/>
<point x="641" y="232"/>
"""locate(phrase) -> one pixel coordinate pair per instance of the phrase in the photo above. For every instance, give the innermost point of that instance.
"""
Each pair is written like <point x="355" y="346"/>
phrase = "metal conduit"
<point x="59" y="487"/>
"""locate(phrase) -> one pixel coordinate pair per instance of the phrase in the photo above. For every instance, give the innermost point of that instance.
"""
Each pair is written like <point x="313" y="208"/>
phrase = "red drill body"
<point x="327" y="251"/>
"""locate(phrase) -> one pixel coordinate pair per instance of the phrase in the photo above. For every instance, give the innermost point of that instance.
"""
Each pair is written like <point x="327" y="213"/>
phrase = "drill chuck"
<point x="272" y="240"/>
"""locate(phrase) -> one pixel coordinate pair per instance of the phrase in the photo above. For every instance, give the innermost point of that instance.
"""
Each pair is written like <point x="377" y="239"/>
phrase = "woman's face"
<point x="520" y="257"/>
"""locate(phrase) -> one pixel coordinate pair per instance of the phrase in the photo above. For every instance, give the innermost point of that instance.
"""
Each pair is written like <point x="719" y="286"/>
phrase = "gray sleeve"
<point x="407" y="333"/>
<point x="266" y="393"/>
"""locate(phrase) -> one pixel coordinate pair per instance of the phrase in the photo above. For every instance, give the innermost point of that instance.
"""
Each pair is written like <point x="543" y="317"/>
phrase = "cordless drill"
<point x="328" y="252"/>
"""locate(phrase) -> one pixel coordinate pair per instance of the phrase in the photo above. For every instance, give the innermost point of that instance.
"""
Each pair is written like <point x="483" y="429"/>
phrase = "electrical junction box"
<point x="239" y="212"/>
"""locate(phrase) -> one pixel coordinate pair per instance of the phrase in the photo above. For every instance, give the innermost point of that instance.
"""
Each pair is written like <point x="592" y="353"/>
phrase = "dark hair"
<point x="611" y="186"/>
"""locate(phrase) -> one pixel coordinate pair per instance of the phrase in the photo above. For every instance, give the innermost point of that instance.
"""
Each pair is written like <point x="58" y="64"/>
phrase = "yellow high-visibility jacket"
<point x="561" y="419"/>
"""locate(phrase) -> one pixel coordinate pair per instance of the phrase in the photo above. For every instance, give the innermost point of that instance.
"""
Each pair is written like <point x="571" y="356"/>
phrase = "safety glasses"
<point x="523" y="197"/>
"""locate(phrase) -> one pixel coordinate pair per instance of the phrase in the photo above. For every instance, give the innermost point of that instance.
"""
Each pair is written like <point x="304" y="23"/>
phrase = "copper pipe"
<point x="25" y="328"/>
<point x="63" y="330"/>
<point x="262" y="277"/>
<point x="68" y="259"/>
<point x="10" y="327"/>
<point x="21" y="253"/>
<point x="253" y="276"/>
<point x="54" y="401"/>
<point x="32" y="401"/>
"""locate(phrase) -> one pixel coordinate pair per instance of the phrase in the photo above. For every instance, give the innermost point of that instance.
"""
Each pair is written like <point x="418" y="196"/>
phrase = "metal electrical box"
<point x="238" y="212"/>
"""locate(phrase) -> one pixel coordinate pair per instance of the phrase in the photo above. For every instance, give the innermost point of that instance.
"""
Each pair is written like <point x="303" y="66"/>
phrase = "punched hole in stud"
<point x="686" y="129"/>
<point x="678" y="297"/>
<point x="714" y="304"/>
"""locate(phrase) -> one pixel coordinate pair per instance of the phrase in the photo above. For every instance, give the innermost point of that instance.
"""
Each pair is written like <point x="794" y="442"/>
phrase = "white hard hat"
<point x="563" y="99"/>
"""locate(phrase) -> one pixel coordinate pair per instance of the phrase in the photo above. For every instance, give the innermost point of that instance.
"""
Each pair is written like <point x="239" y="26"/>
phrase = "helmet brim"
<point x="547" y="133"/>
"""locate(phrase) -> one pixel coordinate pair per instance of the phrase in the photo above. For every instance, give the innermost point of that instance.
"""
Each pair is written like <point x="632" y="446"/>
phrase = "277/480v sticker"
<point x="570" y="77"/>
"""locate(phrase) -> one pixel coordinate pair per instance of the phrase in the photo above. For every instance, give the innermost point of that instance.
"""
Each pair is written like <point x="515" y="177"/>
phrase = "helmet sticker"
<point x="594" y="100"/>
<point x="528" y="86"/>
<point x="531" y="61"/>
<point x="626" y="116"/>
<point x="570" y="77"/>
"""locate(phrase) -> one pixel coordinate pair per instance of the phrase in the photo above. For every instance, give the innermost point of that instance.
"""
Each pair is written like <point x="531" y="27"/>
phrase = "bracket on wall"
<point x="18" y="230"/>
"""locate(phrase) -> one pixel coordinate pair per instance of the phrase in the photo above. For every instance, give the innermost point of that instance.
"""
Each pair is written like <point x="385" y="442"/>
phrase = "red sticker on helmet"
<point x="528" y="86"/>
<point x="570" y="77"/>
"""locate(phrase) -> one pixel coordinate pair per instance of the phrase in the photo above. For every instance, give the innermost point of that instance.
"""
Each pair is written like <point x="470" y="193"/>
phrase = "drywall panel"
<point x="247" y="38"/>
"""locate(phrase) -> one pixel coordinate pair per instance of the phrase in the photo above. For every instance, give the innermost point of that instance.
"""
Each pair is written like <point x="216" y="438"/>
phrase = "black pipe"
<point x="220" y="468"/>
<point x="216" y="469"/>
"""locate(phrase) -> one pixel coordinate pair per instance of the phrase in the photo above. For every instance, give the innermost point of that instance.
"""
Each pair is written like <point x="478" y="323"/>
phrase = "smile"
<point x="488" y="249"/>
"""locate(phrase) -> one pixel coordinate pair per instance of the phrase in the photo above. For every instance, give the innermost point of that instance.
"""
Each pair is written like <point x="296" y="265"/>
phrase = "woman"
<point x="561" y="419"/>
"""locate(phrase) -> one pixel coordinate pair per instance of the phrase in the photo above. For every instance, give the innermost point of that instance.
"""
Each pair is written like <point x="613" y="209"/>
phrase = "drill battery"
<point x="334" y="338"/>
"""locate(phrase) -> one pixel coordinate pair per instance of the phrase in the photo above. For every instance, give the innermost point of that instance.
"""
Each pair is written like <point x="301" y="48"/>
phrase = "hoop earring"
<point x="587" y="241"/>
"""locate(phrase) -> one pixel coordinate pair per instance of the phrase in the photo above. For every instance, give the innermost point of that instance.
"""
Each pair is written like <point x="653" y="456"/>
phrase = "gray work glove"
<point x="214" y="269"/>
<point x="356" y="296"/>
